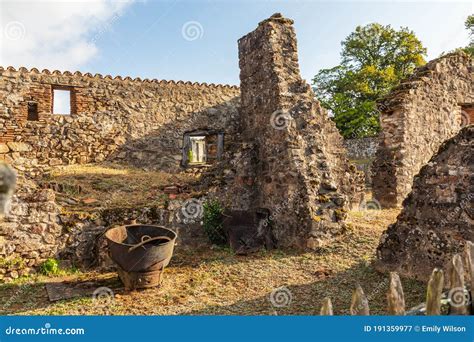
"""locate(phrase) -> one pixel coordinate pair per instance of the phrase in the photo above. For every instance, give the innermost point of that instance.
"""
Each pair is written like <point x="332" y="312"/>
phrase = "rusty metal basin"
<point x="141" y="248"/>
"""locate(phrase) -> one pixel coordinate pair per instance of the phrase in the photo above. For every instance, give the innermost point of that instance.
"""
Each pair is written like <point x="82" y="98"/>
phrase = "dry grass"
<point x="216" y="281"/>
<point x="88" y="187"/>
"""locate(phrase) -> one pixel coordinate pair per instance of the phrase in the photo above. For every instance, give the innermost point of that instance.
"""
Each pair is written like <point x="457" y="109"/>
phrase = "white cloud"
<point x="55" y="34"/>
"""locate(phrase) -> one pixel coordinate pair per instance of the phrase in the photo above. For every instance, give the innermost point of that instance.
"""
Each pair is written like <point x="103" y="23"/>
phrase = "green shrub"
<point x="50" y="267"/>
<point x="212" y="222"/>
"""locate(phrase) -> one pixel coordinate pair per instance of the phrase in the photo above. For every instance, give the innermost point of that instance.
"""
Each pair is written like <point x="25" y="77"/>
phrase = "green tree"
<point x="470" y="27"/>
<point x="374" y="59"/>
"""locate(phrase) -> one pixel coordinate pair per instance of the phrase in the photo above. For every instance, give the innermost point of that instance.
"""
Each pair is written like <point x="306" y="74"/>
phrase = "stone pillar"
<point x="302" y="174"/>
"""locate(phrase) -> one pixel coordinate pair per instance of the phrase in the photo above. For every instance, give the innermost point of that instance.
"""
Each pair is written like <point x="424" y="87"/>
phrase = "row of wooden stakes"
<point x="457" y="300"/>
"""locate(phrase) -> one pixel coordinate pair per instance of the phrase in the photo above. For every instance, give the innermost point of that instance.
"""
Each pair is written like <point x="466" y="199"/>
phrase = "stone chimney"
<point x="301" y="173"/>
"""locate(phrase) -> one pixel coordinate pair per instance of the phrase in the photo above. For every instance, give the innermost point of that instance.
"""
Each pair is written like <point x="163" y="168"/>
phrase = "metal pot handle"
<point x="145" y="241"/>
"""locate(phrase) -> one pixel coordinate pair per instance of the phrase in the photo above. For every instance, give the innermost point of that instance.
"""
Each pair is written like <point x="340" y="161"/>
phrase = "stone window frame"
<point x="219" y="136"/>
<point x="72" y="98"/>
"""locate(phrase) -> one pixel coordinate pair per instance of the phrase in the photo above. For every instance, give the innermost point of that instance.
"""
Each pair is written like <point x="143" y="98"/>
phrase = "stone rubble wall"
<point x="299" y="172"/>
<point x="417" y="117"/>
<point x="361" y="148"/>
<point x="37" y="228"/>
<point x="140" y="122"/>
<point x="136" y="122"/>
<point x="30" y="232"/>
<point x="86" y="246"/>
<point x="437" y="216"/>
<point x="298" y="165"/>
<point x="361" y="152"/>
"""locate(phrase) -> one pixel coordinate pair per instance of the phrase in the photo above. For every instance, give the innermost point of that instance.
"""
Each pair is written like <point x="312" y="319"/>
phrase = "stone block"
<point x="4" y="148"/>
<point x="19" y="146"/>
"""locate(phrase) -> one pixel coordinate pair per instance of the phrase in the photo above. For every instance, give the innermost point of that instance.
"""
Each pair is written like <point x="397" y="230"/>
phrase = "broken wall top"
<point x="416" y="118"/>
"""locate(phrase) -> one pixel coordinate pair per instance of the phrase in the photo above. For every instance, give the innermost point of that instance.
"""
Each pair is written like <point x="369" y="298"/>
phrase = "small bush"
<point x="50" y="267"/>
<point x="212" y="222"/>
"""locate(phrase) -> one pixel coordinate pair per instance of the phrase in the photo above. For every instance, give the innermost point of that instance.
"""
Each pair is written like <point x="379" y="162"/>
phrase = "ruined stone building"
<point x="266" y="146"/>
<point x="417" y="117"/>
<point x="438" y="216"/>
<point x="140" y="121"/>
<point x="266" y="150"/>
<point x="426" y="164"/>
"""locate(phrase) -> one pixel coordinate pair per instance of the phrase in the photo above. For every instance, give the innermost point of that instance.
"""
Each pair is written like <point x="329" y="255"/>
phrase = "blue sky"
<point x="197" y="40"/>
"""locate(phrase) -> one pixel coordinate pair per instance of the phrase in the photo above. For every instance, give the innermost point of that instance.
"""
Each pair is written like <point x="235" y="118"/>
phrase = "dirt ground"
<point x="214" y="281"/>
<point x="87" y="188"/>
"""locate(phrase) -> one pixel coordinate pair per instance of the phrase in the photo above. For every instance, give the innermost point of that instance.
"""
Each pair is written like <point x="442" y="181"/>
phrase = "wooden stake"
<point x="470" y="269"/>
<point x="434" y="291"/>
<point x="359" y="304"/>
<point x="326" y="309"/>
<point x="458" y="296"/>
<point x="395" y="296"/>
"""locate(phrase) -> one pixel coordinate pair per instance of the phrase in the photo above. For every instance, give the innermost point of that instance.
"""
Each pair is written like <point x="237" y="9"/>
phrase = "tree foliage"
<point x="374" y="59"/>
<point x="470" y="27"/>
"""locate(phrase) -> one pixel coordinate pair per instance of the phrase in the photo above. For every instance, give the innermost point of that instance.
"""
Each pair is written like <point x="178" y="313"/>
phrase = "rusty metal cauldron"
<point x="141" y="253"/>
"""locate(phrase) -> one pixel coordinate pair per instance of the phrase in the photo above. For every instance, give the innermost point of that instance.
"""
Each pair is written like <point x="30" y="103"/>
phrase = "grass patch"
<point x="89" y="187"/>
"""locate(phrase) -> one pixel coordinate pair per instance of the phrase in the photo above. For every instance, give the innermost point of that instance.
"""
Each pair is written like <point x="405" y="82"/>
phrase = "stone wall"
<point x="361" y="148"/>
<point x="136" y="122"/>
<point x="141" y="122"/>
<point x="30" y="232"/>
<point x="437" y="216"/>
<point x="296" y="162"/>
<point x="361" y="152"/>
<point x="416" y="118"/>
<point x="37" y="228"/>
<point x="282" y="156"/>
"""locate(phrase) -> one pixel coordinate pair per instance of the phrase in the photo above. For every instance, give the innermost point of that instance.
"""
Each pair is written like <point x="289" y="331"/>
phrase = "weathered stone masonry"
<point x="425" y="110"/>
<point x="300" y="165"/>
<point x="438" y="215"/>
<point x="361" y="152"/>
<point x="272" y="148"/>
<point x="139" y="121"/>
